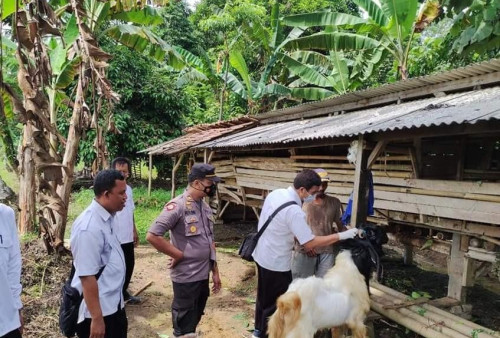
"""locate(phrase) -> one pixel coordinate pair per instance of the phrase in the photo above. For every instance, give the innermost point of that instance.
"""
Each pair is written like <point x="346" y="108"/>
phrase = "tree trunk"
<point x="223" y="91"/>
<point x="69" y="159"/>
<point x="27" y="186"/>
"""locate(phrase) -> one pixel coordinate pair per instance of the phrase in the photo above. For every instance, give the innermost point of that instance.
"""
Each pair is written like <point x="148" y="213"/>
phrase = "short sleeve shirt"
<point x="124" y="220"/>
<point x="275" y="246"/>
<point x="323" y="219"/>
<point x="94" y="245"/>
<point x="190" y="225"/>
<point x="10" y="272"/>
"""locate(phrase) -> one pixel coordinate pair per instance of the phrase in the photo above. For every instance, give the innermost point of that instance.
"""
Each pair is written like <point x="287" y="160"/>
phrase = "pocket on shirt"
<point x="192" y="227"/>
<point x="5" y="244"/>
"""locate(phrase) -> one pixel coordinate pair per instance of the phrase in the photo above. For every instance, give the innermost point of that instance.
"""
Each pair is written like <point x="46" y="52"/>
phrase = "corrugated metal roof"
<point x="199" y="134"/>
<point x="483" y="68"/>
<point x="463" y="108"/>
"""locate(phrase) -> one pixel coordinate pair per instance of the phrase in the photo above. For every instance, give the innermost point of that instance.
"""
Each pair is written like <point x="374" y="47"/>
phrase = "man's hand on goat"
<point x="350" y="233"/>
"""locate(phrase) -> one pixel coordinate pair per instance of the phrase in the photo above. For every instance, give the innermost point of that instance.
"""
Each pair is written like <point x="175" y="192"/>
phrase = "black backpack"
<point x="70" y="304"/>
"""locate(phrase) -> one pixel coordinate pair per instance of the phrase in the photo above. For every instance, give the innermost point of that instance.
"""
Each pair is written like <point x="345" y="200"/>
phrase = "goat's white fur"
<point x="310" y="304"/>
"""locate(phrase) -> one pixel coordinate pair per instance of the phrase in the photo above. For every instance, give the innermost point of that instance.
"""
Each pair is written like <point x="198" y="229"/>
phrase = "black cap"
<point x="200" y="171"/>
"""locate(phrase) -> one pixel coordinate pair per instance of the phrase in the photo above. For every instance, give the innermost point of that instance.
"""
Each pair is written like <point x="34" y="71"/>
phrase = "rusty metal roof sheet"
<point x="462" y="108"/>
<point x="417" y="85"/>
<point x="199" y="134"/>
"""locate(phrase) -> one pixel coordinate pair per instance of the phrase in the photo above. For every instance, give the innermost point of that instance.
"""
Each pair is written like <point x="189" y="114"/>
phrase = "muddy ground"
<point x="230" y="313"/>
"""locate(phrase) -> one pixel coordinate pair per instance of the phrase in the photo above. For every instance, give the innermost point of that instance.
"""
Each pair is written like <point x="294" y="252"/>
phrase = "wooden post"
<point x="379" y="148"/>
<point x="256" y="213"/>
<point x="456" y="267"/>
<point x="360" y="192"/>
<point x="172" y="191"/>
<point x="223" y="209"/>
<point x="150" y="173"/>
<point x="212" y="153"/>
<point x="408" y="254"/>
<point x="174" y="170"/>
<point x="469" y="272"/>
<point x="416" y="156"/>
<point x="461" y="159"/>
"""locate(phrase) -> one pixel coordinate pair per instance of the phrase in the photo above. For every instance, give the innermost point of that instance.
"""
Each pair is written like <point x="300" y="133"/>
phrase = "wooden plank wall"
<point x="467" y="207"/>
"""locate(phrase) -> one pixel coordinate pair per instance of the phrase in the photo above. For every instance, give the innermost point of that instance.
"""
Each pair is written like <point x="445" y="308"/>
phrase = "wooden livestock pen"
<point x="181" y="150"/>
<point x="432" y="145"/>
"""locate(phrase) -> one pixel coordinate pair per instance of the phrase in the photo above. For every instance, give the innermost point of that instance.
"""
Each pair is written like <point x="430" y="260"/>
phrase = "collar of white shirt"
<point x="293" y="194"/>
<point x="99" y="209"/>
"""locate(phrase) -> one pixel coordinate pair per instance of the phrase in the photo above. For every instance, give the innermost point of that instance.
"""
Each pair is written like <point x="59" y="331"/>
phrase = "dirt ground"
<point x="229" y="313"/>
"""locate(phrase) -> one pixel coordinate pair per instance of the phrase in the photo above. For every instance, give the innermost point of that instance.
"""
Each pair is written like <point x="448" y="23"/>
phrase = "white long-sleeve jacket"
<point x="10" y="272"/>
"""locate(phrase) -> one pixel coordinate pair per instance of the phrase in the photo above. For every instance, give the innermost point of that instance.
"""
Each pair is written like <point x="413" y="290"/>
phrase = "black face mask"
<point x="210" y="190"/>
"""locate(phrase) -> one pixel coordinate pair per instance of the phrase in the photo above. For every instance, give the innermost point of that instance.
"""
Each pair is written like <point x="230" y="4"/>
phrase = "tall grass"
<point x="8" y="177"/>
<point x="147" y="208"/>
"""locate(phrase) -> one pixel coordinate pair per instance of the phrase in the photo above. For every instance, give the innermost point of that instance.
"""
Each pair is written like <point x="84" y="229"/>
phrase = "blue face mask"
<point x="310" y="198"/>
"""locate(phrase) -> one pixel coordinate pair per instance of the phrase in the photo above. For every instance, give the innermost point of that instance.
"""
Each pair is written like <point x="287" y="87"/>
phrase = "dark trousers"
<point x="128" y="253"/>
<point x="188" y="305"/>
<point x="116" y="326"/>
<point x="12" y="334"/>
<point x="270" y="285"/>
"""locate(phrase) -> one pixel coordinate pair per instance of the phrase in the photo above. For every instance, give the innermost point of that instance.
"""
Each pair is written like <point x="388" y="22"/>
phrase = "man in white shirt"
<point x="99" y="262"/>
<point x="10" y="276"/>
<point x="126" y="230"/>
<point x="273" y="253"/>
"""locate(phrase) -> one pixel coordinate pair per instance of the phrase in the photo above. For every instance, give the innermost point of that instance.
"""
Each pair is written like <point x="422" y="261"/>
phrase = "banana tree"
<point x="272" y="83"/>
<point x="476" y="25"/>
<point x="50" y="59"/>
<point x="392" y="23"/>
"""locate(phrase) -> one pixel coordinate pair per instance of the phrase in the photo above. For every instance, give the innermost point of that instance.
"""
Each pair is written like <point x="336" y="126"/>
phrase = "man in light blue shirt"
<point x="96" y="249"/>
<point x="10" y="276"/>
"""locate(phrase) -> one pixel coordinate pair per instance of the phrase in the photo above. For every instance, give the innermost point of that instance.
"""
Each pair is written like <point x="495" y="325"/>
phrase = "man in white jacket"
<point x="273" y="253"/>
<point x="11" y="320"/>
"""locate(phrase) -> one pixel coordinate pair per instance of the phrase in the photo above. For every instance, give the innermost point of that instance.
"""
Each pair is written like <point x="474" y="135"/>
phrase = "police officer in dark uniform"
<point x="191" y="247"/>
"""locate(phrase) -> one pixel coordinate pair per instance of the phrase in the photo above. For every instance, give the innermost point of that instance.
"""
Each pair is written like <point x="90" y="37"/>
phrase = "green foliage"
<point x="306" y="6"/>
<point x="8" y="176"/>
<point x="80" y="200"/>
<point x="9" y="7"/>
<point x="428" y="243"/>
<point x="433" y="51"/>
<point x="421" y="311"/>
<point x="420" y="294"/>
<point x="146" y="211"/>
<point x="148" y="208"/>
<point x="475" y="333"/>
<point x="204" y="105"/>
<point x="151" y="109"/>
<point x="176" y="29"/>
<point x="476" y="26"/>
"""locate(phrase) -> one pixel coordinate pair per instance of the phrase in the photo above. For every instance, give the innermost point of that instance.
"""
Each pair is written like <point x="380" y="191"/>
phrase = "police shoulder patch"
<point x="171" y="206"/>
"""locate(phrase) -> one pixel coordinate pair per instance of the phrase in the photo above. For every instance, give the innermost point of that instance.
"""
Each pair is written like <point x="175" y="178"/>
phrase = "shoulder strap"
<point x="73" y="270"/>
<point x="272" y="216"/>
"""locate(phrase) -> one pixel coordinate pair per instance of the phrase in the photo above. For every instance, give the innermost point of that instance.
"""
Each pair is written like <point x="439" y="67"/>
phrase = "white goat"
<point x="310" y="304"/>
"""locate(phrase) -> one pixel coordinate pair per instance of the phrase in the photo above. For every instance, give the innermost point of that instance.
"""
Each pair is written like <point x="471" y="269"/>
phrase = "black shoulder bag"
<point x="70" y="304"/>
<point x="250" y="241"/>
